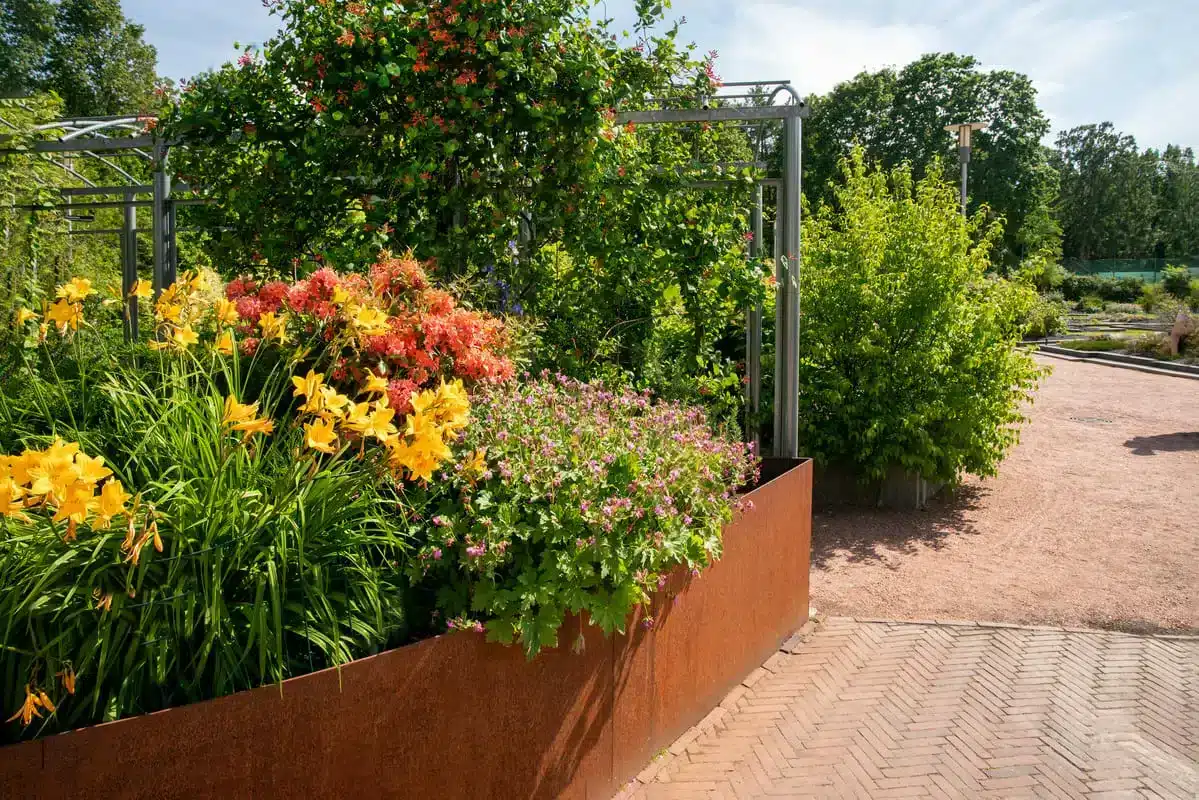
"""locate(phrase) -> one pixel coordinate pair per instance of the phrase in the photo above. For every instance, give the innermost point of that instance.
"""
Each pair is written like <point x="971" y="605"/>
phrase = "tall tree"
<point x="1107" y="206"/>
<point x="1177" y="192"/>
<point x="26" y="28"/>
<point x="85" y="50"/>
<point x="899" y="117"/>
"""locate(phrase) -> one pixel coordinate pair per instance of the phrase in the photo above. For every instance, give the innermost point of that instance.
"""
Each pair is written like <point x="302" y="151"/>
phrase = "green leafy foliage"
<point x="1046" y="317"/>
<point x="1176" y="281"/>
<point x="909" y="353"/>
<point x="582" y="499"/>
<point x="898" y="117"/>
<point x="1116" y="290"/>
<point x="240" y="562"/>
<point x="86" y="51"/>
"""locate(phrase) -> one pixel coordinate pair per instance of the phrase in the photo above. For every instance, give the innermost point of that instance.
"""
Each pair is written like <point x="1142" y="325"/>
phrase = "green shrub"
<point x="1092" y="303"/>
<point x="1118" y="290"/>
<point x="909" y="355"/>
<point x="1044" y="274"/>
<point x="578" y="499"/>
<point x="1176" y="281"/>
<point x="1102" y="344"/>
<point x="1046" y="318"/>
<point x="1156" y="345"/>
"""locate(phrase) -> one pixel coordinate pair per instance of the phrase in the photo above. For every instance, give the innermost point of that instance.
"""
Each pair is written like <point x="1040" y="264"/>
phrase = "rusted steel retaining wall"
<point x="455" y="717"/>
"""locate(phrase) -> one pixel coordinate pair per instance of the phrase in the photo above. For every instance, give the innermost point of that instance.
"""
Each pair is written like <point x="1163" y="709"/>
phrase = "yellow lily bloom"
<point x="24" y="315"/>
<point x="168" y="312"/>
<point x="224" y="343"/>
<point x="226" y="312"/>
<point x="319" y="435"/>
<point x="250" y="427"/>
<point x="79" y="500"/>
<point x="273" y="326"/>
<point x="310" y="387"/>
<point x="90" y="470"/>
<point x="142" y="289"/>
<point x="371" y="322"/>
<point x="236" y="412"/>
<point x="112" y="500"/>
<point x="375" y="384"/>
<point x="65" y="314"/>
<point x="184" y="337"/>
<point x="76" y="290"/>
<point x="333" y="401"/>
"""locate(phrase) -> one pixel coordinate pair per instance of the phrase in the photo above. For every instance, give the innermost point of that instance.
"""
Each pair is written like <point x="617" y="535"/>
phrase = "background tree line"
<point x="1095" y="195"/>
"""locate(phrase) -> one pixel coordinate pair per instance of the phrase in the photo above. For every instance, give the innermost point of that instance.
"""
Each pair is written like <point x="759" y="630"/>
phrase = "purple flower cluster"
<point x="593" y="496"/>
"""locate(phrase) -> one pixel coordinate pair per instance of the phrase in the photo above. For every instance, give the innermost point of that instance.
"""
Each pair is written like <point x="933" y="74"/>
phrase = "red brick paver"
<point x="880" y="709"/>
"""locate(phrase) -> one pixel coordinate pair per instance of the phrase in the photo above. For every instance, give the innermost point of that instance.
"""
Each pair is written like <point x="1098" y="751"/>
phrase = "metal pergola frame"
<point x="786" y="238"/>
<point x="127" y="136"/>
<point x="117" y="137"/>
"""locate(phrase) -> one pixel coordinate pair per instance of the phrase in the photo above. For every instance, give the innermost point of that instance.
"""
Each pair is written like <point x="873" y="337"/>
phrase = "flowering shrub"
<point x="392" y="325"/>
<point x="573" y="498"/>
<point x="262" y="540"/>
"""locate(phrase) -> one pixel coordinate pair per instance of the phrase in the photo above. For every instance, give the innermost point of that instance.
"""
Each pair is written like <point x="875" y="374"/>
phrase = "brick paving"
<point x="878" y="709"/>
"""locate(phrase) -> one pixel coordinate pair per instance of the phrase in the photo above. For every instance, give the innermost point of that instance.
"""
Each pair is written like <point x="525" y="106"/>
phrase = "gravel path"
<point x="1093" y="520"/>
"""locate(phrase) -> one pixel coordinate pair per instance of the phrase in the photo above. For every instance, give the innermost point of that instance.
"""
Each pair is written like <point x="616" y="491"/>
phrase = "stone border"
<point x="1149" y="365"/>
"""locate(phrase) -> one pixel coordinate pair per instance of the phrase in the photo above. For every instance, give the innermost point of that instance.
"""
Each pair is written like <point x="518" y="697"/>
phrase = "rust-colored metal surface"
<point x="713" y="630"/>
<point x="454" y="717"/>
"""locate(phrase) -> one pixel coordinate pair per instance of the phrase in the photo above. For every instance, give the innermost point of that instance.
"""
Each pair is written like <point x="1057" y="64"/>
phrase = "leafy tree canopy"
<point x="899" y="116"/>
<point x="84" y="50"/>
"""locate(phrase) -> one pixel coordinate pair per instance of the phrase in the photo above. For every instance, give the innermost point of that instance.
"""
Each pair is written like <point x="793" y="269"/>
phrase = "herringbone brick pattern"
<point x="877" y="710"/>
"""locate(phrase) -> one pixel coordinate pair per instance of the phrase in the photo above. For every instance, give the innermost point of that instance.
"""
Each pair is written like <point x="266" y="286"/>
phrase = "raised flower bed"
<point x="454" y="716"/>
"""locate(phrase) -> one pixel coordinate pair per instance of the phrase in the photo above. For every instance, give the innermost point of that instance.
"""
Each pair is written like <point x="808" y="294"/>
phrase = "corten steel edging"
<point x="454" y="716"/>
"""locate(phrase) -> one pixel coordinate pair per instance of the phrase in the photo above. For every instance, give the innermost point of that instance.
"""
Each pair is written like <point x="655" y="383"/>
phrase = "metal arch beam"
<point x="93" y="145"/>
<point x="677" y="115"/>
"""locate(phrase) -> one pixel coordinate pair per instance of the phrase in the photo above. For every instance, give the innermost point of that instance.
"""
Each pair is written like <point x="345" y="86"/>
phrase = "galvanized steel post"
<point x="159" y="223"/>
<point x="753" y="334"/>
<point x="129" y="266"/>
<point x="786" y="412"/>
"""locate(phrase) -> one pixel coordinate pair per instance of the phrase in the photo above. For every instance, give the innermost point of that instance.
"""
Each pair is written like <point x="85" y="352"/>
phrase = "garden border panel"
<point x="567" y="724"/>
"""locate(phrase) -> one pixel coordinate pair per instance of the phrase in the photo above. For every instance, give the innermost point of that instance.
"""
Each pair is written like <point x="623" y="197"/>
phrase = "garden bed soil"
<point x="456" y="717"/>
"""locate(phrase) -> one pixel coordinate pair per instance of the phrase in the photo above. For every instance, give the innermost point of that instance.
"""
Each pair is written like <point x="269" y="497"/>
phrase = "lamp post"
<point x="963" y="131"/>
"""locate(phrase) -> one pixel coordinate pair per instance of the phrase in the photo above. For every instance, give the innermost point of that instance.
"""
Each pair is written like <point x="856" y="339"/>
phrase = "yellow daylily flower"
<point x="332" y="401"/>
<point x="112" y="500"/>
<point x="273" y="326"/>
<point x="371" y="322"/>
<point x="375" y="384"/>
<point x="320" y="435"/>
<point x="142" y="289"/>
<point x="226" y="312"/>
<point x="310" y="387"/>
<point x="250" y="427"/>
<point x="78" y="501"/>
<point x="340" y="295"/>
<point x="224" y="343"/>
<point x="168" y="312"/>
<point x="89" y="469"/>
<point x="24" y="315"/>
<point x="65" y="314"/>
<point x="236" y="412"/>
<point x="76" y="290"/>
<point x="184" y="337"/>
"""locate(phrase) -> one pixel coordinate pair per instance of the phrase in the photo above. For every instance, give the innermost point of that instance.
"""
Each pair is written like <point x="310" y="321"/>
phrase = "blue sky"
<point x="1092" y="60"/>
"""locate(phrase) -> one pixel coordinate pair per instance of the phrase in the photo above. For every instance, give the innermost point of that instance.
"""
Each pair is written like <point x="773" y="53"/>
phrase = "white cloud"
<point x="813" y="49"/>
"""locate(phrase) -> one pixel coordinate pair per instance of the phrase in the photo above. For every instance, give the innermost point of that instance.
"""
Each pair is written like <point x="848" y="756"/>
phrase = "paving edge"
<point x="957" y="623"/>
<point x="1077" y="357"/>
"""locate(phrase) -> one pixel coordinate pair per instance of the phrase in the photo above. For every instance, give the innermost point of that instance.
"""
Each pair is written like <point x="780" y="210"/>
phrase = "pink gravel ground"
<point x="1093" y="520"/>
